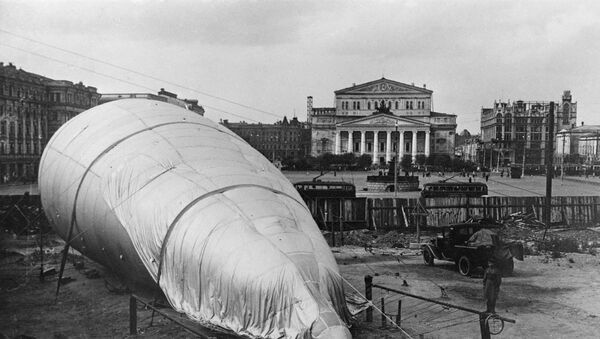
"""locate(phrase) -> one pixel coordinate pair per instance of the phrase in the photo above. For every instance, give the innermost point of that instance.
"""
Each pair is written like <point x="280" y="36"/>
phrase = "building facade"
<point x="583" y="141"/>
<point x="469" y="149"/>
<point x="164" y="96"/>
<point x="32" y="108"/>
<point x="282" y="140"/>
<point x="381" y="118"/>
<point x="516" y="133"/>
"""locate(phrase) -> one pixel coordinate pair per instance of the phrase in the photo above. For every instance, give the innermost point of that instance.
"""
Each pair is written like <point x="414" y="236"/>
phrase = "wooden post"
<point x="399" y="314"/>
<point x="383" y="322"/>
<point x="549" y="165"/>
<point x="485" y="207"/>
<point x="483" y="327"/>
<point x="132" y="315"/>
<point x="41" y="255"/>
<point x="369" y="296"/>
<point x="332" y="231"/>
<point x="341" y="223"/>
<point x="367" y="214"/>
<point x="467" y="207"/>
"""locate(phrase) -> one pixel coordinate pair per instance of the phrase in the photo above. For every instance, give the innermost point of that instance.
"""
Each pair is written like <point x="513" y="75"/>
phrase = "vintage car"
<point x="472" y="244"/>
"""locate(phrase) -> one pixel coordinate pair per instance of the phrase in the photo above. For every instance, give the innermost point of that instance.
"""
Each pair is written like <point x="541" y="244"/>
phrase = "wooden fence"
<point x="401" y="213"/>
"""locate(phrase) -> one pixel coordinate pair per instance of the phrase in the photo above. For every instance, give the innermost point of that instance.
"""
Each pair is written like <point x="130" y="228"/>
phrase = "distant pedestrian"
<point x="470" y="179"/>
<point x="487" y="176"/>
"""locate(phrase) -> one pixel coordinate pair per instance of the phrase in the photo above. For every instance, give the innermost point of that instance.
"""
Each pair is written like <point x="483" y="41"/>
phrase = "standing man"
<point x="492" y="278"/>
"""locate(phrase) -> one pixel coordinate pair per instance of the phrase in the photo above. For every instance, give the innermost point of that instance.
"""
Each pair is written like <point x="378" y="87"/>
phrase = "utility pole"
<point x="396" y="165"/>
<point x="523" y="165"/>
<point x="549" y="164"/>
<point x="491" y="156"/>
<point x="562" y="160"/>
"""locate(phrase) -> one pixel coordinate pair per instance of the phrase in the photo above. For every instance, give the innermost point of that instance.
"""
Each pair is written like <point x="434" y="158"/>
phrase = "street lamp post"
<point x="523" y="165"/>
<point x="396" y="164"/>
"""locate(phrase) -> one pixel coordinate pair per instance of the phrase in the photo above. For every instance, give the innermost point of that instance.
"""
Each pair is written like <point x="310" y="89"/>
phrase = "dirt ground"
<point x="548" y="298"/>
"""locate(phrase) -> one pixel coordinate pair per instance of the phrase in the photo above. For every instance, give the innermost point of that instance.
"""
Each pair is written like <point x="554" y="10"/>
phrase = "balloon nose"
<point x="333" y="332"/>
<point x="329" y="325"/>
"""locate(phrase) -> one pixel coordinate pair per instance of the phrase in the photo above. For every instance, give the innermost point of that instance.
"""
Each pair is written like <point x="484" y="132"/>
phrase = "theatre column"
<point x="401" y="146"/>
<point x="414" y="147"/>
<point x="362" y="142"/>
<point x="427" y="142"/>
<point x="388" y="147"/>
<point x="375" y="147"/>
<point x="350" y="142"/>
<point x="337" y="143"/>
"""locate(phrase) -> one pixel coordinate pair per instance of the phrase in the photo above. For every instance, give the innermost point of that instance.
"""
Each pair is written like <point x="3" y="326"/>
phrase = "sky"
<point x="257" y="61"/>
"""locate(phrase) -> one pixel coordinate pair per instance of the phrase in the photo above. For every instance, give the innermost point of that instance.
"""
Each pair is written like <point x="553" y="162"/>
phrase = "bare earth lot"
<point x="549" y="298"/>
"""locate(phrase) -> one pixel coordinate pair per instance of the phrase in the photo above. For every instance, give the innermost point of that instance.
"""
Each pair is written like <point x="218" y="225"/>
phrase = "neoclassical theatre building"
<point x="381" y="118"/>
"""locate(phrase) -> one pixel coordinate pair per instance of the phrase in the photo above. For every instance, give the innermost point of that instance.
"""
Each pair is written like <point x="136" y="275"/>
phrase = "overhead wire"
<point x="140" y="74"/>
<point x="112" y="77"/>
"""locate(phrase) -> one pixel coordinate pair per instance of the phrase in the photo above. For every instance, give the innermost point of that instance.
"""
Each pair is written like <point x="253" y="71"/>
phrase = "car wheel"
<point x="508" y="268"/>
<point x="428" y="256"/>
<point x="464" y="265"/>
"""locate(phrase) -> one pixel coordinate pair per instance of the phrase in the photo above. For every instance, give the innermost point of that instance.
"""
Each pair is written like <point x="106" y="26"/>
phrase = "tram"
<point x="325" y="189"/>
<point x="454" y="189"/>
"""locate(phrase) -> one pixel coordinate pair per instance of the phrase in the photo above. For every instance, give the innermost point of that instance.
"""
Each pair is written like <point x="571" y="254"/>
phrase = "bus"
<point x="454" y="189"/>
<point x="325" y="189"/>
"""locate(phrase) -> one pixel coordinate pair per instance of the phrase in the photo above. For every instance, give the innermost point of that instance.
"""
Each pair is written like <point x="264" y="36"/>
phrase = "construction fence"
<point x="407" y="214"/>
<point x="23" y="214"/>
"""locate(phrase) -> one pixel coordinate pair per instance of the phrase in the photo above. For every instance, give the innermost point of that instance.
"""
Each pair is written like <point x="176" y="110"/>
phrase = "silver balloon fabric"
<point x="160" y="194"/>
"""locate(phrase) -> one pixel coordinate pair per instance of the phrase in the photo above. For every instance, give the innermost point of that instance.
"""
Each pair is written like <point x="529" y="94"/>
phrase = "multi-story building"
<point x="282" y="140"/>
<point x="164" y="96"/>
<point x="32" y="108"/>
<point x="581" y="141"/>
<point x="381" y="118"/>
<point x="515" y="133"/>
<point x="469" y="149"/>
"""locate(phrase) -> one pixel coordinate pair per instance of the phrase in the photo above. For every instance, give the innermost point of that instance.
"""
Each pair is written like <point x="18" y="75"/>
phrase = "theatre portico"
<point x="381" y="118"/>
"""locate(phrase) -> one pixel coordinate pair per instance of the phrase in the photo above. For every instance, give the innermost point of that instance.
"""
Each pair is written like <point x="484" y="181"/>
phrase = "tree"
<point x="346" y="159"/>
<point x="364" y="161"/>
<point x="442" y="161"/>
<point x="421" y="159"/>
<point x="406" y="162"/>
<point x="325" y="160"/>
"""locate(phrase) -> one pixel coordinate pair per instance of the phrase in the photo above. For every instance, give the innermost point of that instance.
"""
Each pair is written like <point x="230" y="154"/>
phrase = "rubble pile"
<point x="369" y="238"/>
<point x="521" y="226"/>
<point x="525" y="227"/>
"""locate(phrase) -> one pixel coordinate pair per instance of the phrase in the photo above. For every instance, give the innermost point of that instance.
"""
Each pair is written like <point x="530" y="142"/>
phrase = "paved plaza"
<point x="497" y="185"/>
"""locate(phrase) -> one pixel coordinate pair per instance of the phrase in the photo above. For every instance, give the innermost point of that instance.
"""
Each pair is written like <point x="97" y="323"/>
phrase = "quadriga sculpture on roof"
<point x="162" y="195"/>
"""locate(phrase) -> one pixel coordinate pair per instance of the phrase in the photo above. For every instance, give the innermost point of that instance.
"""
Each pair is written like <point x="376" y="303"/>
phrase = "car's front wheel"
<point x="464" y="265"/>
<point x="427" y="256"/>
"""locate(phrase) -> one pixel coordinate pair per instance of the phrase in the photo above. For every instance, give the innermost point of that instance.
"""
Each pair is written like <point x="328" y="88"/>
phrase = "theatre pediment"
<point x="383" y="120"/>
<point x="383" y="86"/>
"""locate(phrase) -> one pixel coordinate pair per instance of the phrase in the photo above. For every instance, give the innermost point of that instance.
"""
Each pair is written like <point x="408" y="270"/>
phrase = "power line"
<point x="112" y="77"/>
<point x="140" y="74"/>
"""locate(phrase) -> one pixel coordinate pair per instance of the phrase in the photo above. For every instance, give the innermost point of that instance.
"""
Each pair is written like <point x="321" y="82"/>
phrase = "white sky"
<point x="271" y="55"/>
